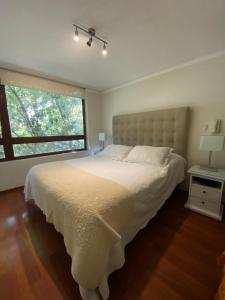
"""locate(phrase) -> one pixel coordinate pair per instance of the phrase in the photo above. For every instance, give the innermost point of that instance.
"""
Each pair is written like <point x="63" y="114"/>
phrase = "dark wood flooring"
<point x="173" y="258"/>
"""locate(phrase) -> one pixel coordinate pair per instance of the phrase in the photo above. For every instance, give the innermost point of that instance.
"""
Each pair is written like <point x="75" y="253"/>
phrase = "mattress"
<point x="149" y="185"/>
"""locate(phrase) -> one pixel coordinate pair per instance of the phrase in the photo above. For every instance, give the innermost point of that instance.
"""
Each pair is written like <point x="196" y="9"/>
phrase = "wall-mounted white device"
<point x="213" y="127"/>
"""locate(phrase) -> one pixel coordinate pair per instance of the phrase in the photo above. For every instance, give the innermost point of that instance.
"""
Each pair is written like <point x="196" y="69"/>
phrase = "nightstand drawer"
<point x="204" y="204"/>
<point x="206" y="193"/>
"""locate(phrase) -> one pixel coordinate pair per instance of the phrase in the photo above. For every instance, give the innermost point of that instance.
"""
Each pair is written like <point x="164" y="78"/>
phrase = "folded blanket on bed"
<point x="88" y="210"/>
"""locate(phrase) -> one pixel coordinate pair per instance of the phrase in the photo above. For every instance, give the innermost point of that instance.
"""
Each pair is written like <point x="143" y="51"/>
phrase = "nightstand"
<point x="206" y="192"/>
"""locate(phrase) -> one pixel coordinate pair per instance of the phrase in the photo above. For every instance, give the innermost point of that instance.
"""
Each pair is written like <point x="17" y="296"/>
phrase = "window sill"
<point x="79" y="153"/>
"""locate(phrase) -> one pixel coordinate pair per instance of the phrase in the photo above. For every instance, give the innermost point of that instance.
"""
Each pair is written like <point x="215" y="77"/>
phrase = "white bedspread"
<point x="150" y="186"/>
<point x="145" y="180"/>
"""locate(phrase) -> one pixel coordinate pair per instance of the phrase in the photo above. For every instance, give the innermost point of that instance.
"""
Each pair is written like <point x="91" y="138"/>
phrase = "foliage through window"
<point x="36" y="122"/>
<point x="2" y="152"/>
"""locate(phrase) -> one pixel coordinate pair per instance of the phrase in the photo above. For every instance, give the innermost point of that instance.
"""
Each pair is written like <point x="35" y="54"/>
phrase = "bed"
<point x="99" y="204"/>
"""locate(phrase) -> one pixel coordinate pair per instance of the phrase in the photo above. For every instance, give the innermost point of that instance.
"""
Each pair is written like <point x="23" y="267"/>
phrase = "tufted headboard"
<point x="154" y="128"/>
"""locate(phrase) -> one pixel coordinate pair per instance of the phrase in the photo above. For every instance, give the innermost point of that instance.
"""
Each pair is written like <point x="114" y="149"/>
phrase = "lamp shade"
<point x="101" y="136"/>
<point x="212" y="143"/>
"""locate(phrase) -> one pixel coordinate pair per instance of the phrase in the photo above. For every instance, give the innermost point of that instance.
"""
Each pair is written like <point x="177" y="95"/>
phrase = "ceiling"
<point x="145" y="37"/>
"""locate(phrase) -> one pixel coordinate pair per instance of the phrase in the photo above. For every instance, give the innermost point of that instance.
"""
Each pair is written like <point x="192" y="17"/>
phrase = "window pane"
<point x="38" y="113"/>
<point x="38" y="148"/>
<point x="2" y="153"/>
<point x="0" y="130"/>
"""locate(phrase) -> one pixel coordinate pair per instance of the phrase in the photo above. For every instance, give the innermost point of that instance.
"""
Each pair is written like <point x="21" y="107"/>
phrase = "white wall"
<point x="13" y="173"/>
<point x="200" y="86"/>
<point x="94" y="117"/>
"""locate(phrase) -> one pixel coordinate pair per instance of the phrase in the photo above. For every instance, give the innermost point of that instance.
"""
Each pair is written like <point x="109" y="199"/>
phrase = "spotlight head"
<point x="76" y="35"/>
<point x="104" y="50"/>
<point x="89" y="42"/>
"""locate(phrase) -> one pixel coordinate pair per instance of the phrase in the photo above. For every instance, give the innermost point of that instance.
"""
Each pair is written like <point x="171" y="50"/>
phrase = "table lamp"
<point x="211" y="143"/>
<point x="102" y="138"/>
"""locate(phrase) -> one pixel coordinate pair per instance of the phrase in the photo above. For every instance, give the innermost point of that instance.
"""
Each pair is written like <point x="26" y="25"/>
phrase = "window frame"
<point x="8" y="141"/>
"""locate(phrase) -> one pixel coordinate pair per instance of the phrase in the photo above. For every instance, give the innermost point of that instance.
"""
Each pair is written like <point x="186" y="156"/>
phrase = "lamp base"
<point x="206" y="168"/>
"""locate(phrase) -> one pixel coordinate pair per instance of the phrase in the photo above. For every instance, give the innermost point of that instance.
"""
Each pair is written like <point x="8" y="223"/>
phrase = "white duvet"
<point x="150" y="186"/>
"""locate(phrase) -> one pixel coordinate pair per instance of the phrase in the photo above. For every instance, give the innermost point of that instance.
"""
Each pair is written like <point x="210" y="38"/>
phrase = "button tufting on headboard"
<point x="155" y="128"/>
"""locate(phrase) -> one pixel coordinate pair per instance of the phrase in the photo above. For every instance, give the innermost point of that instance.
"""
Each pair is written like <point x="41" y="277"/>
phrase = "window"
<point x="35" y="123"/>
<point x="2" y="153"/>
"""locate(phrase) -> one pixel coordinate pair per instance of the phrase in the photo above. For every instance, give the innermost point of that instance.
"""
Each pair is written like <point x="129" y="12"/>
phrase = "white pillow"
<point x="116" y="152"/>
<point x="149" y="155"/>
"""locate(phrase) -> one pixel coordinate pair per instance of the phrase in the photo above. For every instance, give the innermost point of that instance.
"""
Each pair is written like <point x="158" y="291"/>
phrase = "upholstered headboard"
<point x="154" y="128"/>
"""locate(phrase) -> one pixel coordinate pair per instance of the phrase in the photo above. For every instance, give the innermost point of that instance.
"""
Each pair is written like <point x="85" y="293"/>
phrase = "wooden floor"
<point x="173" y="258"/>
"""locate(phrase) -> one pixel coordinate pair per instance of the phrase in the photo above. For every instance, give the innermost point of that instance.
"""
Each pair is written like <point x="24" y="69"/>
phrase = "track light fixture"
<point x="89" y="42"/>
<point x="104" y="51"/>
<point x="92" y="34"/>
<point x="76" y="35"/>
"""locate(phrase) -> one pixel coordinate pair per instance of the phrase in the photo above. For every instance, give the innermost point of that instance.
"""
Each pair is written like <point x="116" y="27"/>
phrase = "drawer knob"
<point x="204" y="192"/>
<point x="203" y="202"/>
